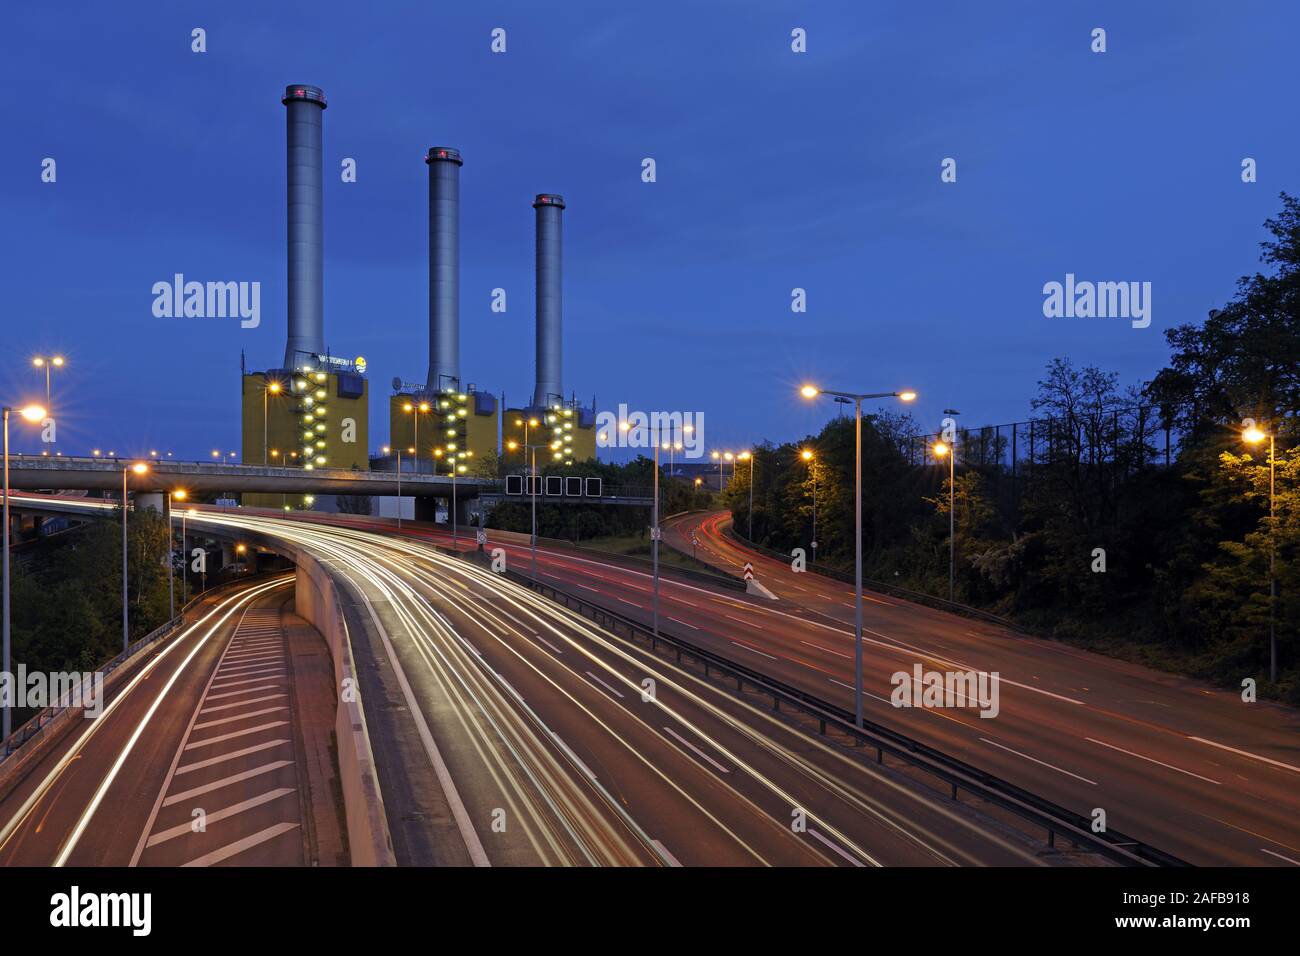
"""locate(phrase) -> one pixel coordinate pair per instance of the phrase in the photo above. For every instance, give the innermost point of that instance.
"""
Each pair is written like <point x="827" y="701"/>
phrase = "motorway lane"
<point x="1188" y="768"/>
<point x="547" y="750"/>
<point x="90" y="800"/>
<point x="1192" y="769"/>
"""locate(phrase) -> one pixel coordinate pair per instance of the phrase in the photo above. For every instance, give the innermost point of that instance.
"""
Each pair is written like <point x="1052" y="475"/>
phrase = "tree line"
<point x="1100" y="533"/>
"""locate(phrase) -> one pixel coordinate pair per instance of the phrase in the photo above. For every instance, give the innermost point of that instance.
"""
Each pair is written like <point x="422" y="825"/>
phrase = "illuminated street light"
<point x="808" y="456"/>
<point x="1254" y="436"/>
<point x="180" y="494"/>
<point x="268" y="389"/>
<point x="812" y="391"/>
<point x="48" y="363"/>
<point x="139" y="468"/>
<point x="31" y="414"/>
<point x="942" y="450"/>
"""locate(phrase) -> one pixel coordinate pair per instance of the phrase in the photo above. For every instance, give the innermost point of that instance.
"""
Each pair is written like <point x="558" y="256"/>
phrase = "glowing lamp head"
<point x="180" y="494"/>
<point x="806" y="455"/>
<point x="1253" y="435"/>
<point x="907" y="396"/>
<point x="32" y="413"/>
<point x="940" y="449"/>
<point x="810" y="391"/>
<point x="139" y="468"/>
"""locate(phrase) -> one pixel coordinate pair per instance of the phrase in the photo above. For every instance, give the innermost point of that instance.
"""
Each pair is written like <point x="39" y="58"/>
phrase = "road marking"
<point x="683" y="623"/>
<point x="696" y="750"/>
<point x="237" y="733"/>
<point x="227" y="781"/>
<point x="162" y="836"/>
<point x="743" y="621"/>
<point x="865" y="693"/>
<point x="604" y="685"/>
<point x="547" y="643"/>
<point x="1036" y="760"/>
<point x="247" y="690"/>
<point x="838" y="849"/>
<point x="230" y="720"/>
<point x="1152" y="760"/>
<point x="252" y="657"/>
<point x="1280" y="856"/>
<point x="253" y="667"/>
<point x="1247" y="753"/>
<point x="239" y="846"/>
<point x="753" y="651"/>
<point x="233" y="755"/>
<point x="236" y="683"/>
<point x="826" y="649"/>
<point x="241" y="703"/>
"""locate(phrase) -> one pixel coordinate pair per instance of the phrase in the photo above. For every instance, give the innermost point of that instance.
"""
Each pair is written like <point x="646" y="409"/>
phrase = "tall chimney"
<point x="444" y="267"/>
<point x="550" y="313"/>
<point x="306" y="106"/>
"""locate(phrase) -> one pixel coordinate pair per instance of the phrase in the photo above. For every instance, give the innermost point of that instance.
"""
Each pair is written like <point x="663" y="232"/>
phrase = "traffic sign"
<point x="749" y="571"/>
<point x="656" y="534"/>
<point x="481" y="535"/>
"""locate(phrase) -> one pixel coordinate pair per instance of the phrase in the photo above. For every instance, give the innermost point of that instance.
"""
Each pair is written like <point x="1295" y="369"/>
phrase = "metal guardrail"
<point x="958" y="775"/>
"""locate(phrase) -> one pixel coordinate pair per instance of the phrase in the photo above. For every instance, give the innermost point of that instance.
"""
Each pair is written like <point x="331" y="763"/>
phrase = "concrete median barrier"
<point x="369" y="842"/>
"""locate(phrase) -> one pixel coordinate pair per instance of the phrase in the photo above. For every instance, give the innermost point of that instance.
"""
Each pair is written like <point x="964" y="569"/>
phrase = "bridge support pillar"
<point x="149" y="501"/>
<point x="426" y="509"/>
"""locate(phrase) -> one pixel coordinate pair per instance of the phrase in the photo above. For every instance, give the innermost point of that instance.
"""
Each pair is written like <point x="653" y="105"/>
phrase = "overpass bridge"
<point x="200" y="478"/>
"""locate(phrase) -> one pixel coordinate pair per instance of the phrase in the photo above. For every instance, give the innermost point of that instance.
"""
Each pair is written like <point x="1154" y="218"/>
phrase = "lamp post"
<point x="812" y="391"/>
<point x="33" y="414"/>
<point x="179" y="494"/>
<point x="386" y="451"/>
<point x="529" y="424"/>
<point x="808" y="456"/>
<point x="269" y="389"/>
<point x="48" y="363"/>
<point x="416" y="409"/>
<point x="1254" y="436"/>
<point x="185" y="556"/>
<point x="749" y="457"/>
<point x="138" y="468"/>
<point x="942" y="450"/>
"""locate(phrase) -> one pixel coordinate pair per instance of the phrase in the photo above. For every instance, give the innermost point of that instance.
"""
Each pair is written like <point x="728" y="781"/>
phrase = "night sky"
<point x="775" y="170"/>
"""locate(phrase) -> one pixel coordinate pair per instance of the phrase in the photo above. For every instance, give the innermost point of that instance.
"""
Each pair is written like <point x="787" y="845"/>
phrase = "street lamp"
<point x="48" y="363"/>
<point x="747" y="456"/>
<point x="268" y="389"/>
<point x="529" y="424"/>
<point x="812" y="391"/>
<point x="417" y="409"/>
<point x="808" y="456"/>
<point x="1254" y="436"/>
<point x="942" y="450"/>
<point x="33" y="414"/>
<point x="180" y="495"/>
<point x="138" y="468"/>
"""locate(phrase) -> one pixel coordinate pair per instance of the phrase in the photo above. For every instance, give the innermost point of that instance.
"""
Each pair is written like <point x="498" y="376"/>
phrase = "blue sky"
<point x="775" y="170"/>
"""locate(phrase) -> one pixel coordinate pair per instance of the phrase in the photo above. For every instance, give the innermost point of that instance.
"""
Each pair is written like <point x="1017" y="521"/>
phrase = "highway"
<point x="1189" y="768"/>
<point x="509" y="731"/>
<point x="202" y="756"/>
